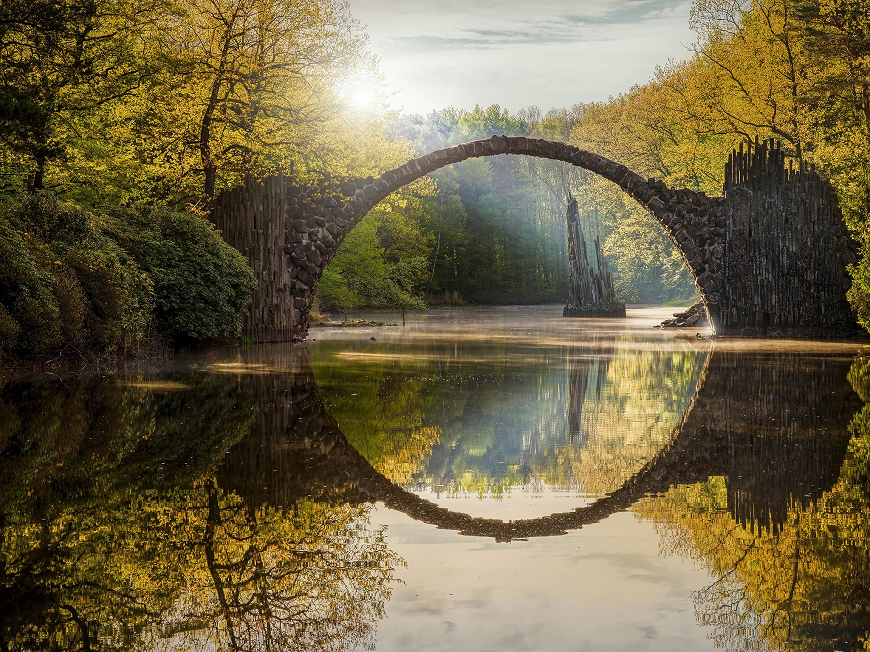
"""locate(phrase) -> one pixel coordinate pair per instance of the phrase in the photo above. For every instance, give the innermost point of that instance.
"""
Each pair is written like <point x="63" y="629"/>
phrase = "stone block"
<point x="655" y="203"/>
<point x="663" y="215"/>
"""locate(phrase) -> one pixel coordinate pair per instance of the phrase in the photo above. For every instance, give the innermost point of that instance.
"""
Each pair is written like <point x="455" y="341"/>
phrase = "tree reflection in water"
<point x="115" y="535"/>
<point x="789" y="550"/>
<point x="226" y="509"/>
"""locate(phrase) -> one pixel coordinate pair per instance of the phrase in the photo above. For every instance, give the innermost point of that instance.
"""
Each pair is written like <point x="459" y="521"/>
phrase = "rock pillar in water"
<point x="590" y="292"/>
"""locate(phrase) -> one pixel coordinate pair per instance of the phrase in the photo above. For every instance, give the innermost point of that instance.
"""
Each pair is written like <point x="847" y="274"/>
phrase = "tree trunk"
<point x="36" y="180"/>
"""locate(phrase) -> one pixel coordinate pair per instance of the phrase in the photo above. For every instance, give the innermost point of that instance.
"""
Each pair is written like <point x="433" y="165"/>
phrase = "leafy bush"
<point x="9" y="328"/>
<point x="71" y="278"/>
<point x="201" y="284"/>
<point x="859" y="292"/>
<point x="67" y="282"/>
<point x="31" y="315"/>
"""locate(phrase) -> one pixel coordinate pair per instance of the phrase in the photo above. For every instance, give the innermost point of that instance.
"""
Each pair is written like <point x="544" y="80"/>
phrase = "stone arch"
<point x="691" y="220"/>
<point x="770" y="257"/>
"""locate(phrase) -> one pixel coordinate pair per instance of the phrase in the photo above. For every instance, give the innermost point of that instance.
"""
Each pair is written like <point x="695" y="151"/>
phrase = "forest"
<point x="120" y="122"/>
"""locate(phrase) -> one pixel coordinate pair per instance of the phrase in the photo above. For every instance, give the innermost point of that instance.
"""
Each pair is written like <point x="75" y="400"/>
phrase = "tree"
<point x="247" y="81"/>
<point x="59" y="61"/>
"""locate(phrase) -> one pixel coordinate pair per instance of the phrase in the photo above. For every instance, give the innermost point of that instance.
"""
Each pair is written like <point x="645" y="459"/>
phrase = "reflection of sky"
<point x="601" y="588"/>
<point x="546" y="53"/>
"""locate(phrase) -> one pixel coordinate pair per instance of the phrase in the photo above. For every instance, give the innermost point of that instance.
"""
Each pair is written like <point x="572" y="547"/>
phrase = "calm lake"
<point x="479" y="479"/>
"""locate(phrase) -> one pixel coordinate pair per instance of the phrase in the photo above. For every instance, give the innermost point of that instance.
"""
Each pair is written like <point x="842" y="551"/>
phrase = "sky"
<point x="548" y="53"/>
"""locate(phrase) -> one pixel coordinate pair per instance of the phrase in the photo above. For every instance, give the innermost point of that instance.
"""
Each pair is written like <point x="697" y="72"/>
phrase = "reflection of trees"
<point x="719" y="434"/>
<point x="478" y="417"/>
<point x="383" y="407"/>
<point x="112" y="535"/>
<point x="633" y="400"/>
<point x="314" y="578"/>
<point x="789" y="551"/>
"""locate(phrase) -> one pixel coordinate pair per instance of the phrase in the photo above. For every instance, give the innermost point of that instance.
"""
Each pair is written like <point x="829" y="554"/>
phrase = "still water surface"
<point x="481" y="479"/>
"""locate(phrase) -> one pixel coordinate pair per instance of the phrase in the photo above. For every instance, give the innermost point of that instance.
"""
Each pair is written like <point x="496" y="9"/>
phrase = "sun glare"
<point x="363" y="99"/>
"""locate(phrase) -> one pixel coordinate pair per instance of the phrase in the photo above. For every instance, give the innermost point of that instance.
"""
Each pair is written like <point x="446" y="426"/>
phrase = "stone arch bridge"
<point x="768" y="257"/>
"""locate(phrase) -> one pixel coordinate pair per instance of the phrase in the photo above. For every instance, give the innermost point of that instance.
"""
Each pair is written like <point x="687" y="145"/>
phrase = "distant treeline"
<point x="794" y="70"/>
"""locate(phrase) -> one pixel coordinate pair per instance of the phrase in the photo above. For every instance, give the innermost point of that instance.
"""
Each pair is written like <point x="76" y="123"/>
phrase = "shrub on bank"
<point x="201" y="284"/>
<point x="106" y="282"/>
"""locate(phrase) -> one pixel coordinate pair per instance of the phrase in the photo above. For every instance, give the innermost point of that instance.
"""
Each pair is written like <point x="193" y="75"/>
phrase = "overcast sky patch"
<point x="516" y="54"/>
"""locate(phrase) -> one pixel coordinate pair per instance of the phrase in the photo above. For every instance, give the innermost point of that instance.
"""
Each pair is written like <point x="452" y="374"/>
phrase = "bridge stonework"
<point x="768" y="258"/>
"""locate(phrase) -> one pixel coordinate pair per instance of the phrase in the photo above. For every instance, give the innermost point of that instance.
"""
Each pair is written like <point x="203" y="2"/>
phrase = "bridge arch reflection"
<point x="775" y="425"/>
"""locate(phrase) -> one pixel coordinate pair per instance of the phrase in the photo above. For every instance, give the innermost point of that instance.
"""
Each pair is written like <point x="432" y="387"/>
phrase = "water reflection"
<point x="496" y="417"/>
<point x="115" y="535"/>
<point x="226" y="503"/>
<point x="798" y="576"/>
<point x="750" y="420"/>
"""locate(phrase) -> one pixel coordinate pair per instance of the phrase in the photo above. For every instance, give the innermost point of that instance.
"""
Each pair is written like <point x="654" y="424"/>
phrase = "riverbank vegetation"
<point x="119" y="123"/>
